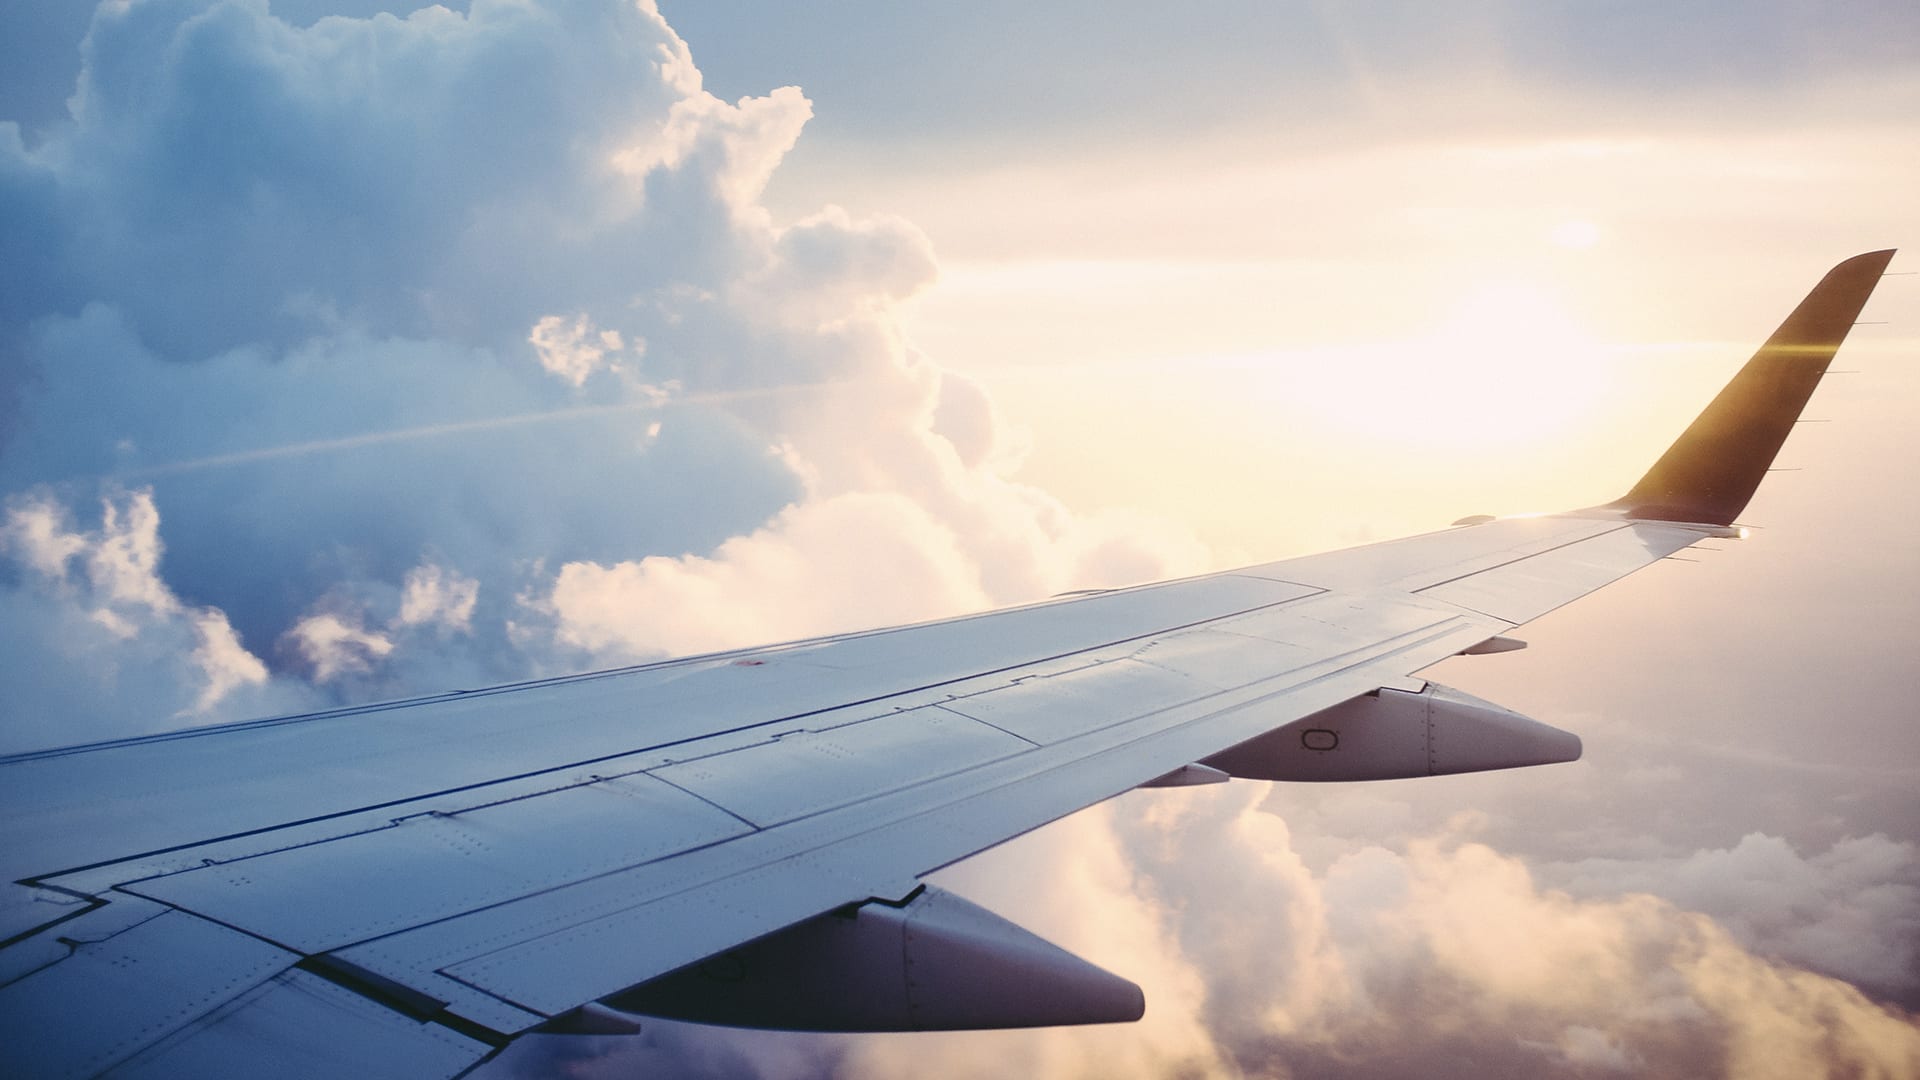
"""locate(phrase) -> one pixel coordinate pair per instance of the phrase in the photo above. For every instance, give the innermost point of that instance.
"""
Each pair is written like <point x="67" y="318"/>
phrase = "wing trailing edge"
<point x="1711" y="471"/>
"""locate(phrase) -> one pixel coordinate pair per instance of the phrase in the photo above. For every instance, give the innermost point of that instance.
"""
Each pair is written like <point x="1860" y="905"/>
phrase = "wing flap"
<point x="319" y="896"/>
<point x="309" y="1029"/>
<point x="111" y="996"/>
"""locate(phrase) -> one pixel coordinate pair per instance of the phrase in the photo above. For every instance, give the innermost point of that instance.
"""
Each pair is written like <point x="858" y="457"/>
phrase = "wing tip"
<point x="1864" y="270"/>
<point x="1712" y="470"/>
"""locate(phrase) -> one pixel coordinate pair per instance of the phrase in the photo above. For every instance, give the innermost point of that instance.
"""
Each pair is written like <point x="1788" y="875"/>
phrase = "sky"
<point x="345" y="355"/>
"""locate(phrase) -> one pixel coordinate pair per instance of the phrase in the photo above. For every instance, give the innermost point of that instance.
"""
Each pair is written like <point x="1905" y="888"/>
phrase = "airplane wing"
<point x="401" y="889"/>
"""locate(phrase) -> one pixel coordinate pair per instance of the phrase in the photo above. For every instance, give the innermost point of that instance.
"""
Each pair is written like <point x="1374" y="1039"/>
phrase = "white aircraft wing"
<point x="401" y="889"/>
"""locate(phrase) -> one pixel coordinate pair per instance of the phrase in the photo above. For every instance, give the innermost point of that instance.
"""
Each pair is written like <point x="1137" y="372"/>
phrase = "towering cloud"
<point x="474" y="321"/>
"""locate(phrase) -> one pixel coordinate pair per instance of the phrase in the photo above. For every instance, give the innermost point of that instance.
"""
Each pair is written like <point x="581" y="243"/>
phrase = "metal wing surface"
<point x="401" y="889"/>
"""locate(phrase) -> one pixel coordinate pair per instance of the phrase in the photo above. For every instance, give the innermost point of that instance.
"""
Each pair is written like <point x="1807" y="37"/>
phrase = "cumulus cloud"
<point x="333" y="645"/>
<point x="1395" y="960"/>
<point x="437" y="596"/>
<point x="834" y="564"/>
<point x="225" y="663"/>
<point x="1437" y="957"/>
<point x="97" y="645"/>
<point x="334" y="348"/>
<point x="1852" y="911"/>
<point x="573" y="349"/>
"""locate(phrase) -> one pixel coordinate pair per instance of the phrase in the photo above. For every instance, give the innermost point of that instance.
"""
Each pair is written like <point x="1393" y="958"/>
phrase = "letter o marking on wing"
<point x="1319" y="739"/>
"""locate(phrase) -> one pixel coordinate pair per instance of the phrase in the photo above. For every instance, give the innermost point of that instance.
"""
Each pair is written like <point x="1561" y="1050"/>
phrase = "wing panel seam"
<point x="1518" y="559"/>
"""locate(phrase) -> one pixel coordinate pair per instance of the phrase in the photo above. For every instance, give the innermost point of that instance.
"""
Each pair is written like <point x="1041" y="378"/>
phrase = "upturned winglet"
<point x="1711" y="471"/>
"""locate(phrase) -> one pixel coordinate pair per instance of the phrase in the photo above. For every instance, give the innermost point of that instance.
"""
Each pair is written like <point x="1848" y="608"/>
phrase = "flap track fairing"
<point x="1393" y="734"/>
<point x="934" y="963"/>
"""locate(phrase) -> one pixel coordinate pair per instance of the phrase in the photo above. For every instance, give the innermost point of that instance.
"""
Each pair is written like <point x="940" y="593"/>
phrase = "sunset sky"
<point x="349" y="357"/>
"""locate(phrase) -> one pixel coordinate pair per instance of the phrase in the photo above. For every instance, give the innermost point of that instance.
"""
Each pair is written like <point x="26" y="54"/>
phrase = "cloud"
<point x="436" y="596"/>
<point x="572" y="349"/>
<point x="560" y="335"/>
<point x="963" y="415"/>
<point x="1396" y="959"/>
<point x="333" y="646"/>
<point x="351" y="460"/>
<point x="847" y="562"/>
<point x="286" y="166"/>
<point x="1852" y="911"/>
<point x="1436" y="957"/>
<point x="836" y="564"/>
<point x="98" y="646"/>
<point x="220" y="657"/>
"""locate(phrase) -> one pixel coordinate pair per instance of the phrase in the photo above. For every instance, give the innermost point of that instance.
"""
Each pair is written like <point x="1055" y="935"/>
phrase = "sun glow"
<point x="1575" y="234"/>
<point x="1505" y="367"/>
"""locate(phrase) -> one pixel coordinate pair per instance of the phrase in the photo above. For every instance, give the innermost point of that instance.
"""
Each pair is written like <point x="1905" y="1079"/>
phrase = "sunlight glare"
<point x="1575" y="234"/>
<point x="1506" y="368"/>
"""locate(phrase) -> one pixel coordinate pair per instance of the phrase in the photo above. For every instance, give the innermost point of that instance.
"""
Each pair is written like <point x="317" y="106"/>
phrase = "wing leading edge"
<point x="402" y="889"/>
